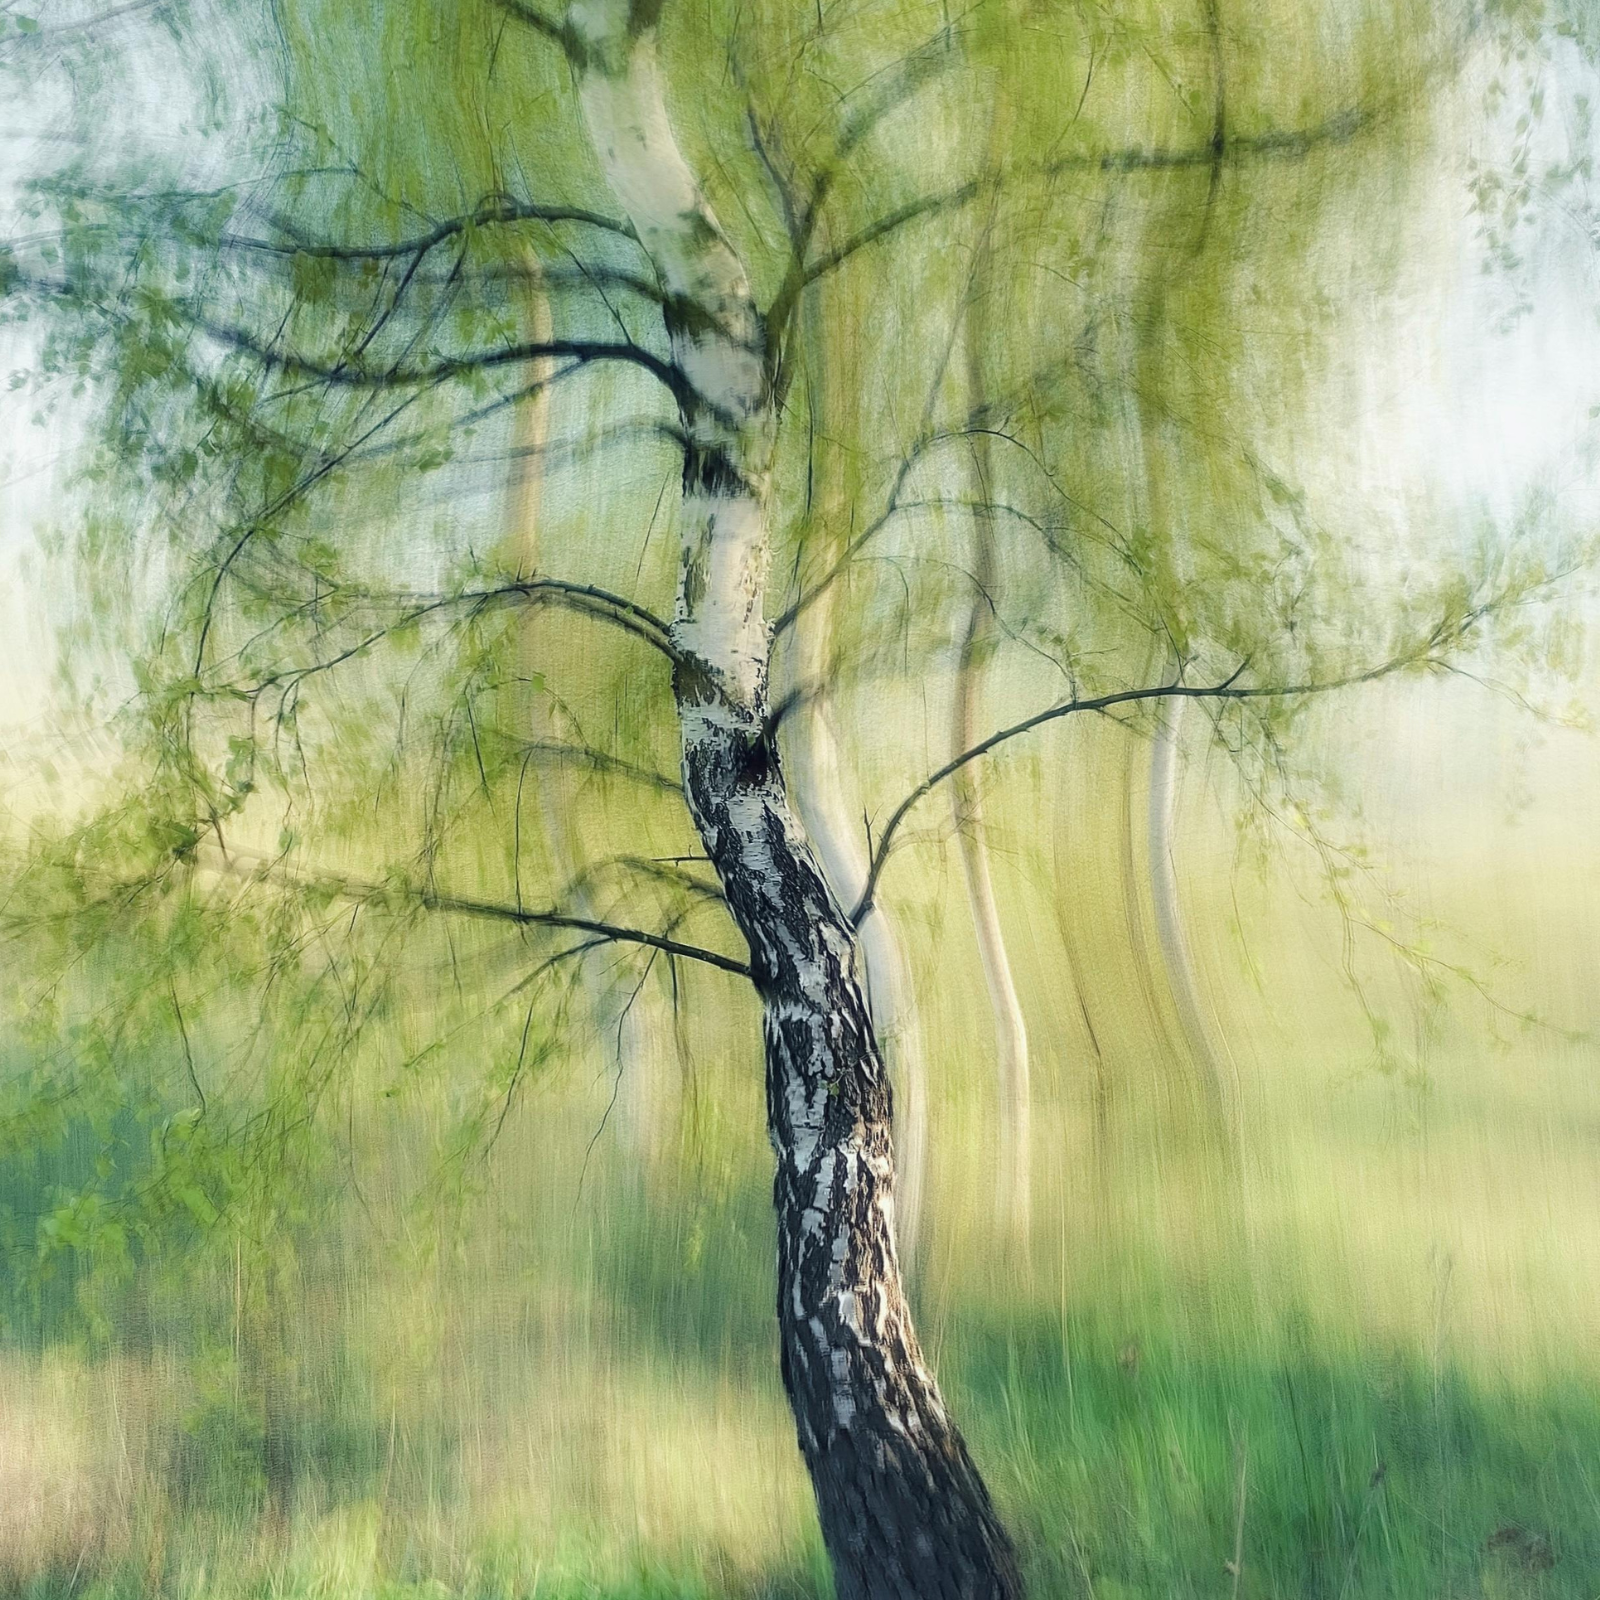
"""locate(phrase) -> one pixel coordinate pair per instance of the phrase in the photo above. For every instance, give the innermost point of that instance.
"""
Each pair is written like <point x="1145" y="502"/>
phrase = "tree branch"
<point x="536" y="20"/>
<point x="586" y="599"/>
<point x="1426" y="656"/>
<point x="362" y="892"/>
<point x="342" y="374"/>
<point x="492" y="213"/>
<point x="608" y="931"/>
<point x="601" y="762"/>
<point x="927" y="440"/>
<point x="1276" y="145"/>
<point x="619" y="608"/>
<point x="904" y="79"/>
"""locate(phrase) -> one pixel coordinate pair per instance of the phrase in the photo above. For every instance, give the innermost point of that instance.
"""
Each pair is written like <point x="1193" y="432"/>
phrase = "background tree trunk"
<point x="1013" y="1087"/>
<point x="903" y="1510"/>
<point x="1014" y="1180"/>
<point x="821" y="793"/>
<point x="619" y="1006"/>
<point x="1171" y="936"/>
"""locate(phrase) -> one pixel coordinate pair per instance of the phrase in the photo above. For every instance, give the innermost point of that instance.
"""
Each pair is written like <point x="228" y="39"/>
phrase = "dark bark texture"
<point x="903" y="1510"/>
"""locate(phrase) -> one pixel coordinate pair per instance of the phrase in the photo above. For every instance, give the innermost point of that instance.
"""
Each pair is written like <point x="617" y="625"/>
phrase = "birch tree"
<point x="698" y="199"/>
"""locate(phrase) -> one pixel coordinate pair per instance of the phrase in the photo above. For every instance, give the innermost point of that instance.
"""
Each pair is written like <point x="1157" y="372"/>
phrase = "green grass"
<point x="582" y="1400"/>
<point x="1135" y="1469"/>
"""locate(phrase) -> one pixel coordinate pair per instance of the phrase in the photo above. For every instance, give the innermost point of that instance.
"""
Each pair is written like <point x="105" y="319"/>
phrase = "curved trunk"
<point x="1012" y="1077"/>
<point x="1165" y="513"/>
<point x="820" y="798"/>
<point x="1014" y="1184"/>
<point x="903" y="1510"/>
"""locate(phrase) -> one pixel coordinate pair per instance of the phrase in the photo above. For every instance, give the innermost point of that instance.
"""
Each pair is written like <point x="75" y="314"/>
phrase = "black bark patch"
<point x="709" y="470"/>
<point x="643" y="15"/>
<point x="904" y="1512"/>
<point x="693" y="681"/>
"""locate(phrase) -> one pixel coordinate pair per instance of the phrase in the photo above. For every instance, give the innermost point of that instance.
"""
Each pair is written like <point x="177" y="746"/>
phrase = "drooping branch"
<point x="344" y="374"/>
<point x="927" y="436"/>
<point x="584" y="599"/>
<point x="1428" y="654"/>
<point x="610" y="931"/>
<point x="601" y="762"/>
<point x="414" y="250"/>
<point x="883" y="93"/>
<point x="1283" y="144"/>
<point x="570" y="447"/>
<point x="982" y="419"/>
<point x="361" y="891"/>
<point x="242" y="534"/>
<point x="501" y="212"/>
<point x="669" y="873"/>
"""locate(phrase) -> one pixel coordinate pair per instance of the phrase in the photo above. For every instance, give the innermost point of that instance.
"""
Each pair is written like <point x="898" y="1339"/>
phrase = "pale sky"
<point x="1437" y="396"/>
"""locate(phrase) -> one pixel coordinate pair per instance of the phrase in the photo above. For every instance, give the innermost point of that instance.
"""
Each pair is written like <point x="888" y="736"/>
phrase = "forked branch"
<point x="1428" y="657"/>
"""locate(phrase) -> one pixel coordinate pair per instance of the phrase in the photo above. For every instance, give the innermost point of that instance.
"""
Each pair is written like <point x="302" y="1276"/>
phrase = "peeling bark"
<point x="902" y="1508"/>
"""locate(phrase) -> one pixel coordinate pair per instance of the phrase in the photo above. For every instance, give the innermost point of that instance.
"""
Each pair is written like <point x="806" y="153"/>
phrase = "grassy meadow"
<point x="1330" y="1333"/>
<point x="456" y="1278"/>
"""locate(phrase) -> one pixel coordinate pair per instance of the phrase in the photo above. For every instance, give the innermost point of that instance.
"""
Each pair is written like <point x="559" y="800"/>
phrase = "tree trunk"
<point x="1170" y="934"/>
<point x="1013" y="1086"/>
<point x="821" y="794"/>
<point x="1014" y="1181"/>
<point x="903" y="1510"/>
<point x="820" y="799"/>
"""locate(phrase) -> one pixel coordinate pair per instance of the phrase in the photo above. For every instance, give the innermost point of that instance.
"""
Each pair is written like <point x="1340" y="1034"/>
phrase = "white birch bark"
<point x="1014" y="1181"/>
<point x="822" y="798"/>
<point x="903" y="1511"/>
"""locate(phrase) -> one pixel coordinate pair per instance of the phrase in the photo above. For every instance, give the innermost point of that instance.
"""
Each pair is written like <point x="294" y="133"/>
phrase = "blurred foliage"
<point x="286" y="1070"/>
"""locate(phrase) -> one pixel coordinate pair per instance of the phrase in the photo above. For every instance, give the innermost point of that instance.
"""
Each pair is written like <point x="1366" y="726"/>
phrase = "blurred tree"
<point x="740" y="249"/>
